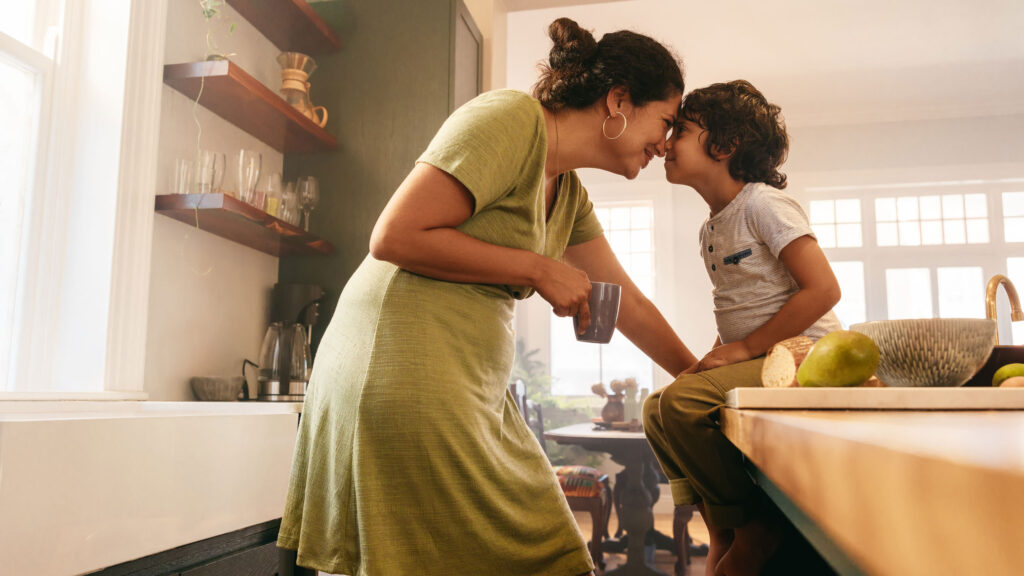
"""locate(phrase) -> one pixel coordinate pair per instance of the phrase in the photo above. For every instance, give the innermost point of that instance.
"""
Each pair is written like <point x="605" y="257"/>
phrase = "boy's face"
<point x="686" y="160"/>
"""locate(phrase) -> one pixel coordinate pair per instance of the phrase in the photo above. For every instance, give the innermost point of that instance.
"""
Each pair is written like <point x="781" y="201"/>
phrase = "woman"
<point x="411" y="457"/>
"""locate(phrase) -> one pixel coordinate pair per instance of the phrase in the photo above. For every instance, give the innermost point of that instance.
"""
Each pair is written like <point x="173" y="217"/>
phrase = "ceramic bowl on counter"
<point x="930" y="351"/>
<point x="217" y="388"/>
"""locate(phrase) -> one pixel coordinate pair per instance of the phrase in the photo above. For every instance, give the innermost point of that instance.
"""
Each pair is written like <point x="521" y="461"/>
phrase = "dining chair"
<point x="585" y="488"/>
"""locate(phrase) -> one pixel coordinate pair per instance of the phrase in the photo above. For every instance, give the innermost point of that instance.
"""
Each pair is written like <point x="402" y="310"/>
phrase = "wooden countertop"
<point x="901" y="493"/>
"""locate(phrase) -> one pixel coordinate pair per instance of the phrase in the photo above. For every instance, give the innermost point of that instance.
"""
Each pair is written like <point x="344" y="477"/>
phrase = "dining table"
<point x="630" y="449"/>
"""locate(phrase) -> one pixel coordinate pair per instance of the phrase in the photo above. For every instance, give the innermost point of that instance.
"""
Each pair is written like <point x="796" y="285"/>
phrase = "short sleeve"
<point x="585" y="225"/>
<point x="487" y="142"/>
<point x="777" y="219"/>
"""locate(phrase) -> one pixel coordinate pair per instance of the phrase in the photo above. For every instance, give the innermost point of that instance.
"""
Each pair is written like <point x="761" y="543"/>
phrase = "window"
<point x="837" y="223"/>
<point x="932" y="220"/>
<point x="934" y="247"/>
<point x="27" y="64"/>
<point x="575" y="366"/>
<point x="79" y="116"/>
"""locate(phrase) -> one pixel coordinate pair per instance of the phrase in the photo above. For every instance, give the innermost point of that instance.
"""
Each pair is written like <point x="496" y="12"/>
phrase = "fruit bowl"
<point x="930" y="351"/>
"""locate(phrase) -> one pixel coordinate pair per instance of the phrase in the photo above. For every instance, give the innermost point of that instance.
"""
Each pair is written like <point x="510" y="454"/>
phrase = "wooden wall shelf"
<point x="292" y="25"/>
<point x="234" y="95"/>
<point x="235" y="220"/>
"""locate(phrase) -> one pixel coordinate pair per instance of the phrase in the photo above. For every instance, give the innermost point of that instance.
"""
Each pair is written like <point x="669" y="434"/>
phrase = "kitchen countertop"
<point x="899" y="492"/>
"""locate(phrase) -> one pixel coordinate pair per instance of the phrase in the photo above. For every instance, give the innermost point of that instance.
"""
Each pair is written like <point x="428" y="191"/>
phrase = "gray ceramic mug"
<point x="604" y="311"/>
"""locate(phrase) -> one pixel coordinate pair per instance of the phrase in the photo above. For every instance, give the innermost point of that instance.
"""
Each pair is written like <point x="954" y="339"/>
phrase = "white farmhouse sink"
<point x="86" y="485"/>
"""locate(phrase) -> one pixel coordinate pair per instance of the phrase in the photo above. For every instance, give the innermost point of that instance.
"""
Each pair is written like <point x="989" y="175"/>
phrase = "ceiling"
<point x="825" y="61"/>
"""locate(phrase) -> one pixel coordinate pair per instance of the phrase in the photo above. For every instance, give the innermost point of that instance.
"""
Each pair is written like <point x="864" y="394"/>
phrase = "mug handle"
<point x="322" y="121"/>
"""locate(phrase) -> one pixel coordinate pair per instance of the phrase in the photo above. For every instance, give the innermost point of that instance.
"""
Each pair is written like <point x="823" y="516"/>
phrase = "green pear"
<point x="840" y="358"/>
<point x="1007" y="371"/>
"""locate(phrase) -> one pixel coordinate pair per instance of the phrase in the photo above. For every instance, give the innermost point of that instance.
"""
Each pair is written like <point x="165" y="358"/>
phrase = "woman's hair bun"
<point x="573" y="46"/>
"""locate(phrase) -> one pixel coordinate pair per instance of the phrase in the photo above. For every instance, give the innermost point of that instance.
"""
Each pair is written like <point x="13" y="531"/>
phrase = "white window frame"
<point x="38" y="371"/>
<point x="990" y="257"/>
<point x="533" y="316"/>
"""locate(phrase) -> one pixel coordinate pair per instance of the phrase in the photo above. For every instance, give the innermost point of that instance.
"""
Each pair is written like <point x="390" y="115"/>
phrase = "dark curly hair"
<point x="740" y="120"/>
<point x="580" y="70"/>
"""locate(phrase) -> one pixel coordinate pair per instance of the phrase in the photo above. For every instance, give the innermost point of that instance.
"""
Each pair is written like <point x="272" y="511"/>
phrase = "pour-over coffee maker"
<point x="296" y="68"/>
<point x="285" y="358"/>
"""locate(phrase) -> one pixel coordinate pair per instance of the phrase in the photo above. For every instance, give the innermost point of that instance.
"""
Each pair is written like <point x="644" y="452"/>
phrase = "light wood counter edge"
<point x="891" y="511"/>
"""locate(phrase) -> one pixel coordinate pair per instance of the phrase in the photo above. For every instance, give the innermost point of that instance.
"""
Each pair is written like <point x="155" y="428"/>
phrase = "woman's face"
<point x="686" y="157"/>
<point x="645" y="134"/>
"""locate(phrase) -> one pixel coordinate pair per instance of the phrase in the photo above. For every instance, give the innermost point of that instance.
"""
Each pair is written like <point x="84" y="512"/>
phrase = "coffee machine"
<point x="285" y="358"/>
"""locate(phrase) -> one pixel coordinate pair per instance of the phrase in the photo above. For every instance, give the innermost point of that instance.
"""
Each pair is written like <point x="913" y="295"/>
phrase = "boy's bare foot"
<point x="753" y="545"/>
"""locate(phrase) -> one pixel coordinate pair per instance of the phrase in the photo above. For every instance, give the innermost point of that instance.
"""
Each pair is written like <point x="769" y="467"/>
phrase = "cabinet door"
<point x="467" y="57"/>
<point x="259" y="561"/>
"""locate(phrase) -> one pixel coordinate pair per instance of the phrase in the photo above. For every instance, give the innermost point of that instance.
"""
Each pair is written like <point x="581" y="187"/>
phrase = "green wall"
<point x="387" y="93"/>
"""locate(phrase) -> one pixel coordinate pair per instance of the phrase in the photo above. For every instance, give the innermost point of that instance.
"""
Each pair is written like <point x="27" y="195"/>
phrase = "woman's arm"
<point x="417" y="232"/>
<point x="819" y="292"/>
<point x="639" y="320"/>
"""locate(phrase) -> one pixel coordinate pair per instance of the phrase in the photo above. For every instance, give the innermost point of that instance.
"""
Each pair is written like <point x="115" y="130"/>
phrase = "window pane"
<point x="603" y="216"/>
<point x="822" y="212"/>
<point x="952" y="206"/>
<point x="826" y="234"/>
<point x="1015" y="270"/>
<point x="640" y="240"/>
<point x="908" y="293"/>
<point x="19" y="98"/>
<point x="620" y="219"/>
<point x="977" y="231"/>
<point x="975" y="206"/>
<point x="961" y="292"/>
<point x="619" y="239"/>
<point x="931" y="232"/>
<point x="907" y="208"/>
<point x="910" y="234"/>
<point x="573" y="364"/>
<point x="17" y="19"/>
<point x="848" y="210"/>
<point x="888" y="234"/>
<point x="885" y="209"/>
<point x="848" y="235"/>
<point x="640" y="216"/>
<point x="1013" y="203"/>
<point x="852" y="307"/>
<point x="931" y="208"/>
<point x="1013" y="228"/>
<point x="954" y="231"/>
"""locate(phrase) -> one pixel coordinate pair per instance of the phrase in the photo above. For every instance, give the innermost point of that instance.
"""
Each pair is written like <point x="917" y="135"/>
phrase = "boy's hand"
<point x="724" y="355"/>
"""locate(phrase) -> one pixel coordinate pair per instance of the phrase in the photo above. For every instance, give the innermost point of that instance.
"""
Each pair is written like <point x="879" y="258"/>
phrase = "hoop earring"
<point x="605" y="124"/>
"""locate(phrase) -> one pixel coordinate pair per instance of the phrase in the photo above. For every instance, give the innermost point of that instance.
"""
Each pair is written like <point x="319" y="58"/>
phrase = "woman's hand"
<point x="724" y="355"/>
<point x="567" y="289"/>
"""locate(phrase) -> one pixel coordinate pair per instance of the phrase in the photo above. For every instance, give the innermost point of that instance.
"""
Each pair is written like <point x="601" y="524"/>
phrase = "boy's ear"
<point x="722" y="152"/>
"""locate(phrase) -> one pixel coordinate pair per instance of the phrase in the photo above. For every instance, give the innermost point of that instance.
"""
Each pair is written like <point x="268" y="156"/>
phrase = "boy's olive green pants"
<point x="681" y="422"/>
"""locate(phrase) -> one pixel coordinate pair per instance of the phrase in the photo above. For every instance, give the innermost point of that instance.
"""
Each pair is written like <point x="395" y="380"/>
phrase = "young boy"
<point x="771" y="282"/>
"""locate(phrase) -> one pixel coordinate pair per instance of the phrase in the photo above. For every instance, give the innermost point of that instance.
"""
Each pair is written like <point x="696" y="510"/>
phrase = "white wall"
<point x="491" y="17"/>
<point x="209" y="297"/>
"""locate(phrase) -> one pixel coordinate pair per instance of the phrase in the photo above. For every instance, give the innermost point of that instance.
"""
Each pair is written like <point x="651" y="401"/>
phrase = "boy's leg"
<point x="690" y="436"/>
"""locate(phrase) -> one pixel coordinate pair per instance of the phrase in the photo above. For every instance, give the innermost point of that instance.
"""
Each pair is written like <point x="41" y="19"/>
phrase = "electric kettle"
<point x="285" y="363"/>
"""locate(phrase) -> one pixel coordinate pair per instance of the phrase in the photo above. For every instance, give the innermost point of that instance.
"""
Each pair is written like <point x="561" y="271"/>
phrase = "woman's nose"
<point x="660" y="148"/>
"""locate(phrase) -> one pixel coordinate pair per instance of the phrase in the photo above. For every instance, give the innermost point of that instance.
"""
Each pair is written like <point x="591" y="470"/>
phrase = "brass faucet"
<point x="1016" y="314"/>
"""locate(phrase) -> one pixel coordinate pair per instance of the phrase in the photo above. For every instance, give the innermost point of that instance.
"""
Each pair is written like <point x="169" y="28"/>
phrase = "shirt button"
<point x="713" y="268"/>
<point x="712" y="227"/>
<point x="711" y="248"/>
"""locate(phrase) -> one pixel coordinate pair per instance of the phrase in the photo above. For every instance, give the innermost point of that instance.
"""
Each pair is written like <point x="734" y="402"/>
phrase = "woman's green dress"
<point x="411" y="457"/>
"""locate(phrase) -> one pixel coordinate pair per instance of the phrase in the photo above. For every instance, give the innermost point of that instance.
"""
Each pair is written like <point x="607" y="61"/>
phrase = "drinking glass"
<point x="249" y="165"/>
<point x="274" y="195"/>
<point x="289" y="208"/>
<point x="208" y="171"/>
<point x="182" y="177"/>
<point x="309" y="197"/>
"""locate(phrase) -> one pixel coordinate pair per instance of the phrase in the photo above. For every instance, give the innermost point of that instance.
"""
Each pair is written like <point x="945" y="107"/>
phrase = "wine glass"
<point x="309" y="197"/>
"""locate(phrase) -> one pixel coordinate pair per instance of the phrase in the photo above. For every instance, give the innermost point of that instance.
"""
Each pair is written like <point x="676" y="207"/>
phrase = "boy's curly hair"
<point x="740" y="120"/>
